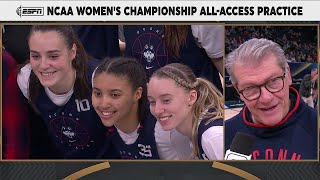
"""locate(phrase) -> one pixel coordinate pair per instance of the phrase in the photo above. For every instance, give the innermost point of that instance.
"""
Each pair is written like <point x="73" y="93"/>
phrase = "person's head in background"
<point x="179" y="100"/>
<point x="119" y="93"/>
<point x="175" y="37"/>
<point x="314" y="72"/>
<point x="260" y="73"/>
<point x="58" y="60"/>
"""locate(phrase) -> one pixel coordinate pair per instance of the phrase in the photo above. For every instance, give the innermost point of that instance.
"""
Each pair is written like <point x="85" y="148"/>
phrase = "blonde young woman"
<point x="189" y="105"/>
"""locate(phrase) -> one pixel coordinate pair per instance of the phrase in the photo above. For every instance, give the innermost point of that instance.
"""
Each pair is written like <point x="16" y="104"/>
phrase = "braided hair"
<point x="208" y="96"/>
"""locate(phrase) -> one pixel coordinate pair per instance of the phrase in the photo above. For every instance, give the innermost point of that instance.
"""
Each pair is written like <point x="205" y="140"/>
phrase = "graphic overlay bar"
<point x="88" y="170"/>
<point x="234" y="170"/>
<point x="138" y="11"/>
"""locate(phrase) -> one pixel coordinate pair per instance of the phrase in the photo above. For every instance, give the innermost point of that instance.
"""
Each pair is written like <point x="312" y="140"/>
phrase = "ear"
<point x="138" y="94"/>
<point x="193" y="96"/>
<point x="288" y="78"/>
<point x="73" y="51"/>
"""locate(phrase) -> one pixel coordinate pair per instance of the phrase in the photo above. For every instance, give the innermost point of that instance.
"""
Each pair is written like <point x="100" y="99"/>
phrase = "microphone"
<point x="241" y="147"/>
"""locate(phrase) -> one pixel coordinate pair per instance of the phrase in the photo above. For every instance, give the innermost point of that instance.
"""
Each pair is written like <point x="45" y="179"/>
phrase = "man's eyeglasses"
<point x="272" y="85"/>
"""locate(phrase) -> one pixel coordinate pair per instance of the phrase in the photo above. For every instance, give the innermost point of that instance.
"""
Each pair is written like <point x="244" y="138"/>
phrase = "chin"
<point x="270" y="122"/>
<point x="47" y="84"/>
<point x="107" y="123"/>
<point x="167" y="128"/>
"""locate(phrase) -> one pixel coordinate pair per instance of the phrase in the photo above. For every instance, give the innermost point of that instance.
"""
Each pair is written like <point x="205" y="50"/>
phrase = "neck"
<point x="66" y="85"/>
<point x="185" y="127"/>
<point x="130" y="123"/>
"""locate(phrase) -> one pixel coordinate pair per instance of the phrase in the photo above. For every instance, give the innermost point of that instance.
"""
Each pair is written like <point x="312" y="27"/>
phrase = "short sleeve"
<point x="211" y="38"/>
<point x="212" y="143"/>
<point x="23" y="79"/>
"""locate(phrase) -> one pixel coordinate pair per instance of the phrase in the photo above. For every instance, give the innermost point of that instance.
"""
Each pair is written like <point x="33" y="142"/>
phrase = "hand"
<point x="315" y="77"/>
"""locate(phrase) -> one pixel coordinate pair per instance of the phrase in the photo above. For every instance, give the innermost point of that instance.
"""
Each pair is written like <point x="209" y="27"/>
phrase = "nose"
<point x="105" y="102"/>
<point x="44" y="63"/>
<point x="265" y="96"/>
<point x="158" y="108"/>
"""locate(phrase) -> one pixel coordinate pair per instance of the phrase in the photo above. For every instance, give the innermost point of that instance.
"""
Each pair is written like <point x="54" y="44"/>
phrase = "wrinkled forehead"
<point x="265" y="67"/>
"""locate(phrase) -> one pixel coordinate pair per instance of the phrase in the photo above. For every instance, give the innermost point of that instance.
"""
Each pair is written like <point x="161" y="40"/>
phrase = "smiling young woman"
<point x="189" y="105"/>
<point x="119" y="97"/>
<point x="56" y="82"/>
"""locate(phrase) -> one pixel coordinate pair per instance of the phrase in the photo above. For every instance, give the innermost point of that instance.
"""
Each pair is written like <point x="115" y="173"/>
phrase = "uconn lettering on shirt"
<point x="271" y="154"/>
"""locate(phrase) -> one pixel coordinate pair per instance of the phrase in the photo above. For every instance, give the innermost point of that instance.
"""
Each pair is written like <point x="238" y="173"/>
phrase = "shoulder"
<point x="205" y="125"/>
<point x="307" y="76"/>
<point x="309" y="118"/>
<point x="212" y="142"/>
<point x="214" y="132"/>
<point x="172" y="145"/>
<point x="211" y="38"/>
<point x="212" y="129"/>
<point x="197" y="30"/>
<point x="23" y="79"/>
<point x="237" y="119"/>
<point x="232" y="125"/>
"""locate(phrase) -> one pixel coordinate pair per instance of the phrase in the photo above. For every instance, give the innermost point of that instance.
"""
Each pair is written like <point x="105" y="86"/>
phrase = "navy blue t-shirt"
<point x="143" y="148"/>
<point x="75" y="129"/>
<point x="99" y="41"/>
<point x="146" y="45"/>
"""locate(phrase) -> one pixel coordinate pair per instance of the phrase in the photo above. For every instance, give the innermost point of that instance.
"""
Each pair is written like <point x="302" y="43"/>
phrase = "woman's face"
<point x="169" y="103"/>
<point x="51" y="59"/>
<point x="114" y="100"/>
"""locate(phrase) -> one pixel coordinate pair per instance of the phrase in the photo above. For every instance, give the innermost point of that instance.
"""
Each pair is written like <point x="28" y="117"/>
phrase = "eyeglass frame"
<point x="265" y="85"/>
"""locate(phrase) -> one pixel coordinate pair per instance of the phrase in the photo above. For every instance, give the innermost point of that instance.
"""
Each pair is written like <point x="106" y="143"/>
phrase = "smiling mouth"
<point x="107" y="113"/>
<point x="268" y="109"/>
<point x="163" y="118"/>
<point x="46" y="74"/>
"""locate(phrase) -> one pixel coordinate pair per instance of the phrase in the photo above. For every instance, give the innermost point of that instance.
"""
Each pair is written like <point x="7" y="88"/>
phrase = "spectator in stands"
<point x="307" y="87"/>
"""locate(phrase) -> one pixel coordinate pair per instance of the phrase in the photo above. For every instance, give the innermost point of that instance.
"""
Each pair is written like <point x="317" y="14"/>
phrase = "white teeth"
<point x="107" y="113"/>
<point x="266" y="109"/>
<point x="163" y="118"/>
<point x="46" y="74"/>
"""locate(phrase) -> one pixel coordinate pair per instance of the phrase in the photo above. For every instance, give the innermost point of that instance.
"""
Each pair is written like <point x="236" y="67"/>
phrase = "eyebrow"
<point x="161" y="96"/>
<point x="32" y="51"/>
<point x="94" y="88"/>
<point x="265" y="80"/>
<point x="52" y="51"/>
<point x="112" y="90"/>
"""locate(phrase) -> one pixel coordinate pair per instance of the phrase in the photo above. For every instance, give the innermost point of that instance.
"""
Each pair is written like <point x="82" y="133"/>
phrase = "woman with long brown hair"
<point x="56" y="82"/>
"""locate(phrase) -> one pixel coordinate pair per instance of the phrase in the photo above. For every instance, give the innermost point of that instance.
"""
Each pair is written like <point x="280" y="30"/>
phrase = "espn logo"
<point x="30" y="11"/>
